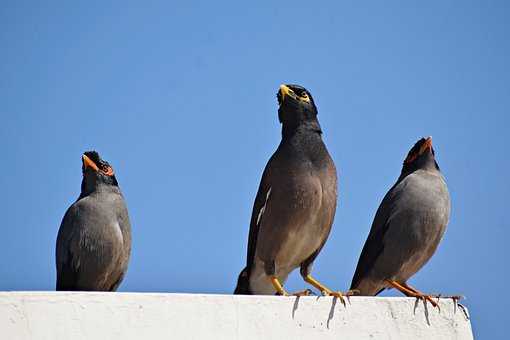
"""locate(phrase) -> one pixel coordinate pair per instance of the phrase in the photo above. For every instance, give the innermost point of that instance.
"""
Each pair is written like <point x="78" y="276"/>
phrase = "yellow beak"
<point x="287" y="91"/>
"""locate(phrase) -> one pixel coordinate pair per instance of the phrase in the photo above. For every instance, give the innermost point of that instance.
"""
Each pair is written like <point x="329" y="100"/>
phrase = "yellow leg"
<point x="324" y="290"/>
<point x="410" y="291"/>
<point x="278" y="286"/>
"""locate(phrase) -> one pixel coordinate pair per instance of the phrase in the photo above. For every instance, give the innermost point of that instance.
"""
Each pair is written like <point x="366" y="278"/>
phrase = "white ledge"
<point x="87" y="315"/>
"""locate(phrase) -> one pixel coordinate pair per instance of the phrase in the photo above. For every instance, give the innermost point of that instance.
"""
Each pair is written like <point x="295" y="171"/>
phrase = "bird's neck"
<point x="427" y="163"/>
<point x="88" y="188"/>
<point x="429" y="167"/>
<point x="305" y="141"/>
<point x="307" y="129"/>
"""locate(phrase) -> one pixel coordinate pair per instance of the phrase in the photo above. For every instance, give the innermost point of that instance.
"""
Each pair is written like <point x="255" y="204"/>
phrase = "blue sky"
<point x="180" y="98"/>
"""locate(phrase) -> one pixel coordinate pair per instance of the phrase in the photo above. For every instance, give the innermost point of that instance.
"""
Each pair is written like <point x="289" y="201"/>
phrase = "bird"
<point x="94" y="239"/>
<point x="295" y="204"/>
<point x="408" y="226"/>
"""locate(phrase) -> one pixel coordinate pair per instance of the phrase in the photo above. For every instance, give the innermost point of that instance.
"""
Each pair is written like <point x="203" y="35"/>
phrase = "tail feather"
<point x="243" y="283"/>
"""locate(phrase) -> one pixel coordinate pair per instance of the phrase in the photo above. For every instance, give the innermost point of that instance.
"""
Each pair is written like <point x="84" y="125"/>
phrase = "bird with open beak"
<point x="407" y="227"/>
<point x="94" y="239"/>
<point x="295" y="203"/>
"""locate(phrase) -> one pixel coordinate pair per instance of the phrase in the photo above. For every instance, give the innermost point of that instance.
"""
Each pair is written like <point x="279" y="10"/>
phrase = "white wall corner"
<point x="126" y="316"/>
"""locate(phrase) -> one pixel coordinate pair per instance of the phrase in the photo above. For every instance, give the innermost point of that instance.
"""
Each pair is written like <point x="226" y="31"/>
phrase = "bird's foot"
<point x="429" y="298"/>
<point x="304" y="292"/>
<point x="341" y="295"/>
<point x="338" y="295"/>
<point x="325" y="291"/>
<point x="426" y="297"/>
<point x="412" y="292"/>
<point x="455" y="298"/>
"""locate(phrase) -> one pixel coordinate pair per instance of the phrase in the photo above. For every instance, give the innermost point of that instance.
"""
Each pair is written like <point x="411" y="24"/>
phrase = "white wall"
<point x="126" y="316"/>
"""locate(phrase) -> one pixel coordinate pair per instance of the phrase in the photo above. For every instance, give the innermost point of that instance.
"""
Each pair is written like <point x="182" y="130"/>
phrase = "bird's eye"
<point x="304" y="95"/>
<point x="107" y="170"/>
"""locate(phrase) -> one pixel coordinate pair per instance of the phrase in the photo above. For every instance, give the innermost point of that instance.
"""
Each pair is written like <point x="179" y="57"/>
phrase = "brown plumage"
<point x="296" y="201"/>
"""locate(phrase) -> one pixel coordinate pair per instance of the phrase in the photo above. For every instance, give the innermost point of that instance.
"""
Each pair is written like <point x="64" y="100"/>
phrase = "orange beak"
<point x="89" y="163"/>
<point x="426" y="146"/>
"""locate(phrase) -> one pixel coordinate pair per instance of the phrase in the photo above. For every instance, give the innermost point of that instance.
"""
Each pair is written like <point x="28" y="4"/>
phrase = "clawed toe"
<point x="412" y="292"/>
<point x="306" y="292"/>
<point x="432" y="302"/>
<point x="352" y="292"/>
<point x="338" y="295"/>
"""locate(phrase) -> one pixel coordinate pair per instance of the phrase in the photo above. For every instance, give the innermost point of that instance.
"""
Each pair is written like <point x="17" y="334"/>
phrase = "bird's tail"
<point x="243" y="283"/>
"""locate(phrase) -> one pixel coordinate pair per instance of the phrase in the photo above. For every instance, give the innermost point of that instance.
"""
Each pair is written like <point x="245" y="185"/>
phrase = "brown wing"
<point x="258" y="209"/>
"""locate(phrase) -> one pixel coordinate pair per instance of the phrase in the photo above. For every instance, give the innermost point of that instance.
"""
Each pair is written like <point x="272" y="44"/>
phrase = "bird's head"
<point x="296" y="105"/>
<point x="96" y="171"/>
<point x="421" y="156"/>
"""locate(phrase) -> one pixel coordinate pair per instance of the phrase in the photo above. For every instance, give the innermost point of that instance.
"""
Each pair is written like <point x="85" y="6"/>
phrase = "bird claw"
<point x="428" y="298"/>
<point x="455" y="298"/>
<point x="338" y="295"/>
<point x="412" y="292"/>
<point x="305" y="292"/>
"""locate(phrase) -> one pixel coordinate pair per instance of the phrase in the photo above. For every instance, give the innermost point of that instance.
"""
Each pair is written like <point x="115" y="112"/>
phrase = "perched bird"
<point x="407" y="227"/>
<point x="295" y="204"/>
<point x="94" y="239"/>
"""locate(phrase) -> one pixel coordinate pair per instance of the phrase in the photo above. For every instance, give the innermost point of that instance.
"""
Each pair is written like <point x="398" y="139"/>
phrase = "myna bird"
<point x="295" y="203"/>
<point x="94" y="239"/>
<point x="407" y="227"/>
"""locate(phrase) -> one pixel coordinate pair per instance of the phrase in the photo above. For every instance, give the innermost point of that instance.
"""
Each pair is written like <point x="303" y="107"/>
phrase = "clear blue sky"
<point x="180" y="99"/>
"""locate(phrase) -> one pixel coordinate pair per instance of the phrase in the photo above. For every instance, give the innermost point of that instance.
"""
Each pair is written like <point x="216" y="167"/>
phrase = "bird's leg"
<point x="410" y="291"/>
<point x="270" y="270"/>
<point x="278" y="286"/>
<point x="325" y="290"/>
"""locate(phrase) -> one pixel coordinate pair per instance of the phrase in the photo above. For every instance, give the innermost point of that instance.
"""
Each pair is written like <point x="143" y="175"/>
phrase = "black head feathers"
<point x="296" y="105"/>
